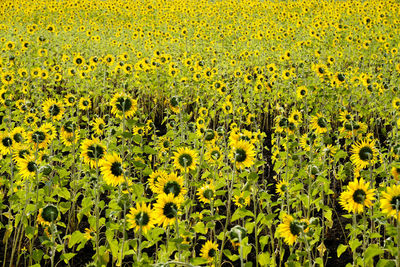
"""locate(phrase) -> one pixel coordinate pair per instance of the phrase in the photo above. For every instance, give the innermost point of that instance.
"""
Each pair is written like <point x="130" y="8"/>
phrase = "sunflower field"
<point x="199" y="133"/>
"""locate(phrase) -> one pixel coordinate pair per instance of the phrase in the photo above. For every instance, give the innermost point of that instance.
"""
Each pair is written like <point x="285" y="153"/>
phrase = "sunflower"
<point x="295" y="117"/>
<point x="171" y="184"/>
<point x="357" y="196"/>
<point x="209" y="251"/>
<point x="319" y="123"/>
<point x="352" y="128"/>
<point x="89" y="234"/>
<point x="84" y="103"/>
<point x="243" y="154"/>
<point x="141" y="218"/>
<point x="345" y="116"/>
<point x="6" y="143"/>
<point x="22" y="152"/>
<point x="122" y="104"/>
<point x="282" y="188"/>
<point x="390" y="201"/>
<point x="38" y="137"/>
<point x="154" y="180"/>
<point x="69" y="134"/>
<point x="53" y="109"/>
<point x="242" y="200"/>
<point x="206" y="193"/>
<point x="290" y="228"/>
<point x="31" y="119"/>
<point x="166" y="209"/>
<point x="50" y="130"/>
<point x="395" y="172"/>
<point x="185" y="159"/>
<point x="98" y="126"/>
<point x="112" y="169"/>
<point x="27" y="166"/>
<point x="18" y="135"/>
<point x="92" y="151"/>
<point x="69" y="100"/>
<point x="396" y="103"/>
<point x="174" y="103"/>
<point x="213" y="154"/>
<point x="301" y="92"/>
<point x="364" y="153"/>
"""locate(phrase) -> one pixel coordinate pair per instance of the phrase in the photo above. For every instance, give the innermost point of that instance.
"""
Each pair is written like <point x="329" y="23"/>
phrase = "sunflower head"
<point x="141" y="218"/>
<point x="357" y="196"/>
<point x="185" y="159"/>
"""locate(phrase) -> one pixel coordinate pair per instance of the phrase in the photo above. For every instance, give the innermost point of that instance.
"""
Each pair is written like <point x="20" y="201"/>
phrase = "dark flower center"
<point x="172" y="187"/>
<point x="322" y="122"/>
<point x="116" y="168"/>
<point x="366" y="153"/>
<point x="215" y="154"/>
<point x="395" y="202"/>
<point x="170" y="210"/>
<point x="85" y="103"/>
<point x="341" y="77"/>
<point x="7" y="142"/>
<point x="283" y="122"/>
<point x="50" y="213"/>
<point x="208" y="194"/>
<point x="211" y="253"/>
<point x="54" y="110"/>
<point x="69" y="127"/>
<point x="303" y="92"/>
<point x="31" y="166"/>
<point x="209" y="135"/>
<point x="185" y="160"/>
<point x="295" y="228"/>
<point x="71" y="99"/>
<point x="38" y="137"/>
<point x="95" y="152"/>
<point x="142" y="218"/>
<point x="22" y="153"/>
<point x="359" y="196"/>
<point x="123" y="104"/>
<point x="240" y="155"/>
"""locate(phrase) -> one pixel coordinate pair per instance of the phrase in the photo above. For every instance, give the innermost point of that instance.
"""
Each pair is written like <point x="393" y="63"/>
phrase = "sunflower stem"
<point x="177" y="234"/>
<point x="354" y="236"/>
<point x="139" y="244"/>
<point x="398" y="233"/>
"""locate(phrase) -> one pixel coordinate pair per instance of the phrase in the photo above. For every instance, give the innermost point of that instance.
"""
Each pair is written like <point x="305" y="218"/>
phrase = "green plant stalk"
<point x="353" y="237"/>
<point x="139" y="245"/>
<point x="228" y="211"/>
<point x="53" y="248"/>
<point x="241" y="251"/>
<point x="255" y="223"/>
<point x="177" y="233"/>
<point x="398" y="234"/>
<point x="97" y="214"/>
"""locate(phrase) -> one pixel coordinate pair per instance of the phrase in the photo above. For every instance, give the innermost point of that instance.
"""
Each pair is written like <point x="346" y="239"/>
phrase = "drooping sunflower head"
<point x="364" y="153"/>
<point x="141" y="218"/>
<point x="185" y="159"/>
<point x="123" y="105"/>
<point x="112" y="169"/>
<point x="92" y="151"/>
<point x="209" y="251"/>
<point x="390" y="201"/>
<point x="357" y="196"/>
<point x="243" y="154"/>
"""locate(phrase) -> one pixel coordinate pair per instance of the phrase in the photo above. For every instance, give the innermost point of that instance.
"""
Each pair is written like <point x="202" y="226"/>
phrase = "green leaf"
<point x="76" y="237"/>
<point x="264" y="259"/>
<point x="67" y="256"/>
<point x="241" y="213"/>
<point x="200" y="228"/>
<point x="37" y="255"/>
<point x="386" y="263"/>
<point x="354" y="244"/>
<point x="198" y="261"/>
<point x="228" y="254"/>
<point x="341" y="248"/>
<point x="372" y="251"/>
<point x="149" y="150"/>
